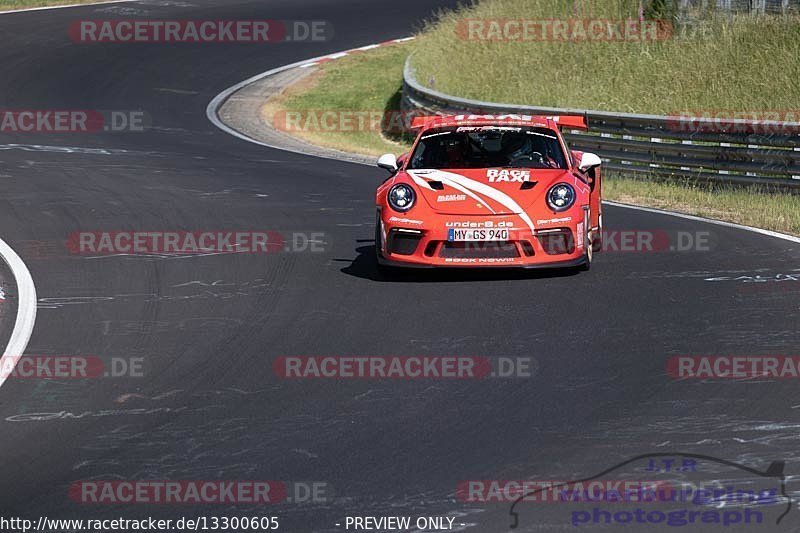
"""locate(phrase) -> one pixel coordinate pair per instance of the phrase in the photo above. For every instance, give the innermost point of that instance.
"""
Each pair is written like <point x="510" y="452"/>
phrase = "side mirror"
<point x="388" y="161"/>
<point x="589" y="161"/>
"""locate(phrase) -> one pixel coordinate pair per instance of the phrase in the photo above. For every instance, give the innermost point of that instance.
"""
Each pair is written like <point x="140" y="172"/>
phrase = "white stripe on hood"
<point x="481" y="188"/>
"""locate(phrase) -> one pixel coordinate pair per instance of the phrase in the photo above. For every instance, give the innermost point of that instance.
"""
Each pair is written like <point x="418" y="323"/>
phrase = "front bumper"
<point x="581" y="261"/>
<point x="405" y="242"/>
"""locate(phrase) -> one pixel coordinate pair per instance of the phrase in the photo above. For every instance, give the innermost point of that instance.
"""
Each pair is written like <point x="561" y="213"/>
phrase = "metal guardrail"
<point x="742" y="6"/>
<point x="728" y="151"/>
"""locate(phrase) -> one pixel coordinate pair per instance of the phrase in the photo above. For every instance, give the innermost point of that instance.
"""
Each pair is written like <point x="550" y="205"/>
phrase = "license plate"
<point x="481" y="235"/>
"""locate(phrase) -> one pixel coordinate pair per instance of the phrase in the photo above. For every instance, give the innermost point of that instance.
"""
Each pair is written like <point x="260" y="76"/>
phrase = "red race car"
<point x="489" y="191"/>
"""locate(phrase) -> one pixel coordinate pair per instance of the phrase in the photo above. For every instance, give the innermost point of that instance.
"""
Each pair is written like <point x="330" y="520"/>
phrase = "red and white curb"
<point x="339" y="55"/>
<point x="215" y="104"/>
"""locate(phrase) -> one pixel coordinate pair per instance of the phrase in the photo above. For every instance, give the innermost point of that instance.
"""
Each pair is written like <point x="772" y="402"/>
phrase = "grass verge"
<point x="7" y="5"/>
<point x="371" y="81"/>
<point x="749" y="206"/>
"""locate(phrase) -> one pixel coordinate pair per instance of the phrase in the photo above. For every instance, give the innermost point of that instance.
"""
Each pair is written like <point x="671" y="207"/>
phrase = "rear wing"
<point x="575" y="122"/>
<point x="421" y="121"/>
<point x="572" y="122"/>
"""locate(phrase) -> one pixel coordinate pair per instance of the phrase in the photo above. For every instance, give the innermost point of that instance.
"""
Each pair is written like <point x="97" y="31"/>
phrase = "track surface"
<point x="209" y="327"/>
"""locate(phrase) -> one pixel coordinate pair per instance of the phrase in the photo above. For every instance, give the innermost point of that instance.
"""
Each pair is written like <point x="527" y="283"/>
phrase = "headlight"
<point x="401" y="197"/>
<point x="560" y="197"/>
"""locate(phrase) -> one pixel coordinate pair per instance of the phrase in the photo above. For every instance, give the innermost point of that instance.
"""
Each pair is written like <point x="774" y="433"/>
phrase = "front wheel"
<point x="597" y="241"/>
<point x="589" y="246"/>
<point x="378" y="241"/>
<point x="384" y="271"/>
<point x="587" y="264"/>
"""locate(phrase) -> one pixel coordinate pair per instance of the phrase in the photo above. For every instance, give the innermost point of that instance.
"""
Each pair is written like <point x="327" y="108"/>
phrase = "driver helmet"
<point x="516" y="145"/>
<point x="456" y="152"/>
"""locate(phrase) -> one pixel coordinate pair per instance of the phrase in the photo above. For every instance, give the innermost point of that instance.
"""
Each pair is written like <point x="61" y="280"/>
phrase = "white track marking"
<point x="26" y="307"/>
<point x="42" y="8"/>
<point x="61" y="149"/>
<point x="221" y="98"/>
<point x="767" y="232"/>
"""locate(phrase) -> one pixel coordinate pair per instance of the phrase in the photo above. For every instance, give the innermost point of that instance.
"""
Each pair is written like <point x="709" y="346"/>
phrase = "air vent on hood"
<point x="436" y="185"/>
<point x="528" y="185"/>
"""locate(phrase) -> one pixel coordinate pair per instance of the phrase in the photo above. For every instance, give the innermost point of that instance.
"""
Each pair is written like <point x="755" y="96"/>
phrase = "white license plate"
<point x="480" y="235"/>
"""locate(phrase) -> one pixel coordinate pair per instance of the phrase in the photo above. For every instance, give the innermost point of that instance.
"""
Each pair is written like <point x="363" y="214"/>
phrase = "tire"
<point x="597" y="242"/>
<point x="588" y="255"/>
<point x="378" y="241"/>
<point x="384" y="271"/>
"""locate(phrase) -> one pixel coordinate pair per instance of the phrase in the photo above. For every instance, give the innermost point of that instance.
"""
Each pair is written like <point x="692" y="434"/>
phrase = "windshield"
<point x="488" y="146"/>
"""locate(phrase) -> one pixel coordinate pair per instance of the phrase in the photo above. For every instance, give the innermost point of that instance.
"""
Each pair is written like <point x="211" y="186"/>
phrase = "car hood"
<point x="486" y="191"/>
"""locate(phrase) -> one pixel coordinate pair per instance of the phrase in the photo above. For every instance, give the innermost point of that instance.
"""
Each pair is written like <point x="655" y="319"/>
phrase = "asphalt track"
<point x="209" y="327"/>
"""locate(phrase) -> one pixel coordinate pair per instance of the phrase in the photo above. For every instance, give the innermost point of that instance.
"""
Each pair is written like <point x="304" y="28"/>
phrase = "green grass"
<point x="19" y="4"/>
<point x="740" y="63"/>
<point x="749" y="206"/>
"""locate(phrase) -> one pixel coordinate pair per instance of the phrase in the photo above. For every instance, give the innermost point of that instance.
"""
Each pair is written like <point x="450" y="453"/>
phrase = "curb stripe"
<point x="339" y="55"/>
<point x="26" y="307"/>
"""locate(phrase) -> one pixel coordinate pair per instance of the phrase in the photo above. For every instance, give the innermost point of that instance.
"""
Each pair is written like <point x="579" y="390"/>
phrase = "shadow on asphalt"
<point x="365" y="266"/>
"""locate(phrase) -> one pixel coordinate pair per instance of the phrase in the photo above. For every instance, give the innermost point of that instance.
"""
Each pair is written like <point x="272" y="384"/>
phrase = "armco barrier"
<point x="653" y="145"/>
